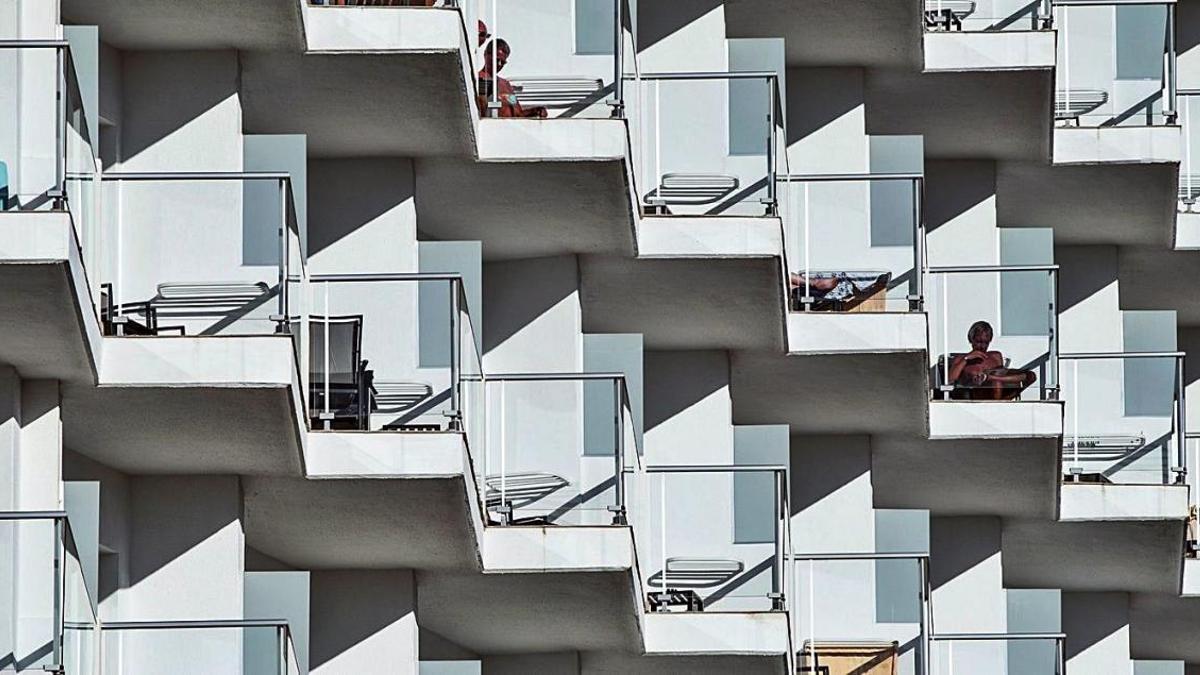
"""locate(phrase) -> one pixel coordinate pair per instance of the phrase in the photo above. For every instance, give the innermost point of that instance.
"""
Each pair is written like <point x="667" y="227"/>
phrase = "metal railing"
<point x="680" y="175"/>
<point x="568" y="84"/>
<point x="69" y="116"/>
<point x="844" y="268"/>
<point x="1032" y="335"/>
<point x="74" y="623"/>
<point x="57" y="169"/>
<point x="1189" y="175"/>
<point x="986" y="15"/>
<point x="361" y="376"/>
<point x="698" y="563"/>
<point x="167" y="261"/>
<point x="1133" y="415"/>
<point x="546" y="440"/>
<point x="1053" y="663"/>
<point x="250" y="652"/>
<point x="807" y="624"/>
<point x="1091" y="90"/>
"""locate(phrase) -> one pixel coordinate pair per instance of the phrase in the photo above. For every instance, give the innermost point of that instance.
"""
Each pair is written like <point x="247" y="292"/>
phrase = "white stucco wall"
<point x="183" y="529"/>
<point x="363" y="621"/>
<point x="1099" y="626"/>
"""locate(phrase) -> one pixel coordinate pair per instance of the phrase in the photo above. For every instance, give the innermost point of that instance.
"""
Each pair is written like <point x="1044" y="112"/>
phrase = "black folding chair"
<point x="338" y="375"/>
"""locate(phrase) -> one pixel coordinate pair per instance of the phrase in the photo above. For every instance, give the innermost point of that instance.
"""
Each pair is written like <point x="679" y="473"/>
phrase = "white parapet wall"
<point x="995" y="419"/>
<point x="517" y="140"/>
<point x="1082" y="502"/>
<point x="855" y="333"/>
<point x="1000" y="50"/>
<point x="1119" y="145"/>
<point x="344" y="29"/>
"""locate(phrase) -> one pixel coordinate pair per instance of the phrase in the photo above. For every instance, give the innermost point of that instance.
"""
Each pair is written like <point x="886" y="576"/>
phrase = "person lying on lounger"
<point x="981" y="374"/>
<point x="506" y="95"/>
<point x="836" y="290"/>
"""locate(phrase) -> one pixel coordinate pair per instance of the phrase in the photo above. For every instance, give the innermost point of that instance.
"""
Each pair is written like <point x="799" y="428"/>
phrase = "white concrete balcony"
<point x="52" y="331"/>
<point x="1141" y="529"/>
<point x="437" y="502"/>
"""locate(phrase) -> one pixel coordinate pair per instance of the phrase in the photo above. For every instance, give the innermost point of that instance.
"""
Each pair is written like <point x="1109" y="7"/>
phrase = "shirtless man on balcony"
<point x="981" y="374"/>
<point x="505" y="94"/>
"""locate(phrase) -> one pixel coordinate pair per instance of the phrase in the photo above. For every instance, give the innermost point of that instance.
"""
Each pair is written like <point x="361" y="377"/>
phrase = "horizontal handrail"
<point x="1096" y="356"/>
<point x="708" y="75"/>
<point x="194" y="624"/>
<point x="704" y="468"/>
<point x="845" y="177"/>
<point x="542" y="377"/>
<point x="391" y="276"/>
<point x="992" y="268"/>
<point x="32" y="515"/>
<point x="195" y="175"/>
<point x="34" y="44"/>
<point x="816" y="557"/>
<point x="1112" y="2"/>
<point x="996" y="636"/>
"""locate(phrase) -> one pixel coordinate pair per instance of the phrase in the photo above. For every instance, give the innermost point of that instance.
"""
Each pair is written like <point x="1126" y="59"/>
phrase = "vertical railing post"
<point x="917" y="299"/>
<point x="281" y="318"/>
<point x="1181" y="467"/>
<point x="777" y="569"/>
<point x="60" y="125"/>
<point x="1051" y="386"/>
<point x="60" y="572"/>
<point x="326" y="414"/>
<point x="281" y="648"/>
<point x="455" y="355"/>
<point x="926" y="617"/>
<point x="619" y="514"/>
<point x="1169" y="70"/>
<point x="618" y="104"/>
<point x="493" y="104"/>
<point x="772" y="201"/>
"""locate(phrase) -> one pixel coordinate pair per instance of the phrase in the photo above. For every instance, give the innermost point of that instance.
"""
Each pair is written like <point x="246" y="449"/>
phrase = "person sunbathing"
<point x="981" y="374"/>
<point x="835" y="290"/>
<point x="505" y="94"/>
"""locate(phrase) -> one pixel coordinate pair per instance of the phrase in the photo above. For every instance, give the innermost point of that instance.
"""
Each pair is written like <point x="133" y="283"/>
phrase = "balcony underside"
<point x="520" y="613"/>
<point x="1121" y="204"/>
<point x="49" y="329"/>
<point x="1008" y="478"/>
<point x="973" y="115"/>
<point x="206" y="405"/>
<point x="1163" y="626"/>
<point x="197" y="24"/>
<point x="419" y="523"/>
<point x="831" y="394"/>
<point x="872" y="33"/>
<point x="360" y="104"/>
<point x="685" y="303"/>
<point x="1153" y="277"/>
<point x="526" y="209"/>
<point x="1132" y="556"/>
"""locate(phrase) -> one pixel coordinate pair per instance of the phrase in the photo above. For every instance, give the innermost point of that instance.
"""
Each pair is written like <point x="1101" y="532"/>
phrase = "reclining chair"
<point x="349" y="382"/>
<point x="568" y="94"/>
<point x="683" y="575"/>
<point x="1071" y="104"/>
<point x="689" y="189"/>
<point x="947" y="14"/>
